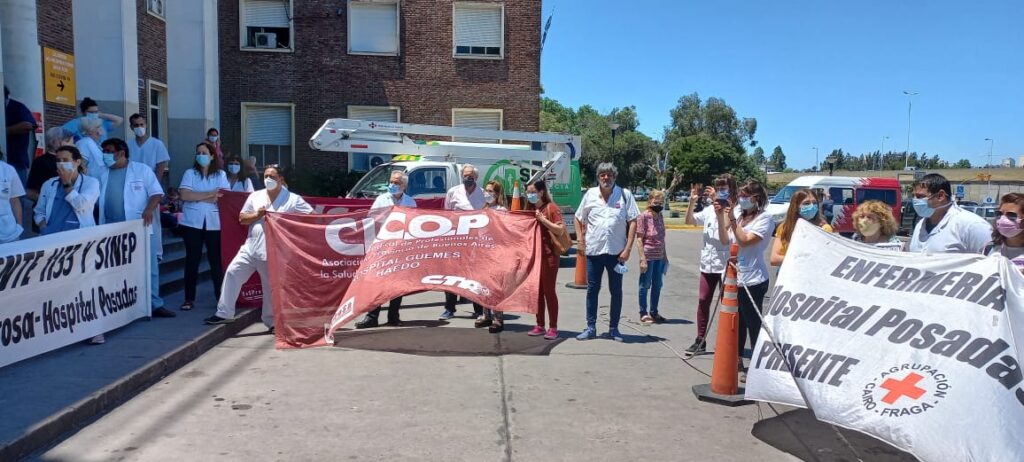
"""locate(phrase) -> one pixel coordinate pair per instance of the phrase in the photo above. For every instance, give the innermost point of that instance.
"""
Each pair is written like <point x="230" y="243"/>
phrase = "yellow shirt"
<point x="782" y="229"/>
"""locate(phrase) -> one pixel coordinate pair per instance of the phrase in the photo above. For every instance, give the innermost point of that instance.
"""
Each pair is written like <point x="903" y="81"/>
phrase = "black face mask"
<point x="656" y="208"/>
<point x="469" y="182"/>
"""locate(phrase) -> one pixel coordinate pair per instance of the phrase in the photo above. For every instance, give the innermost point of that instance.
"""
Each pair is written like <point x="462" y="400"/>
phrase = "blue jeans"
<point x="596" y="265"/>
<point x="651" y="279"/>
<point x="154" y="267"/>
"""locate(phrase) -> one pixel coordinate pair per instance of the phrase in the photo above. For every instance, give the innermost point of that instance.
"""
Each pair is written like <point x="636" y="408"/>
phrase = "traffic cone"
<point x="516" y="203"/>
<point x="724" y="386"/>
<point x="580" y="281"/>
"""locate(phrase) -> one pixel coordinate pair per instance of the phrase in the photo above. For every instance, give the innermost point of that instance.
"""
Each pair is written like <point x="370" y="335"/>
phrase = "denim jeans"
<point x="596" y="266"/>
<point x="154" y="265"/>
<point x="651" y="279"/>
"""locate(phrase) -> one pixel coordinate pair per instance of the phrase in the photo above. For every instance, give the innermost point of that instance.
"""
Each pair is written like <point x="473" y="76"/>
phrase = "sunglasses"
<point x="1012" y="216"/>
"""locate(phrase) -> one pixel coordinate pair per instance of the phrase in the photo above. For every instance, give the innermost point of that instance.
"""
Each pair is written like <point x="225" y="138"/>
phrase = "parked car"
<point x="967" y="204"/>
<point x="988" y="212"/>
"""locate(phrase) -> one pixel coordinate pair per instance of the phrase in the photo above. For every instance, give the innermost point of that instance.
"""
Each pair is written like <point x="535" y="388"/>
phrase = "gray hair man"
<point x="466" y="196"/>
<point x="606" y="227"/>
<point x="92" y="133"/>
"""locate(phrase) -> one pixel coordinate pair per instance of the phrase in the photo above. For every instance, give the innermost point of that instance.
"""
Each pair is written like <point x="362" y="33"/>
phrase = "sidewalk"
<point x="58" y="392"/>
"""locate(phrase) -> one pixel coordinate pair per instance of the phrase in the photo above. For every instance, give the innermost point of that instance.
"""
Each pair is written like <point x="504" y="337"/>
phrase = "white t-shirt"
<point x="457" y="199"/>
<point x="713" y="253"/>
<point x="1014" y="254"/>
<point x="387" y="200"/>
<point x="606" y="223"/>
<point x="92" y="154"/>
<point x="196" y="213"/>
<point x="959" y="231"/>
<point x="286" y="202"/>
<point x="151" y="152"/>
<point x="242" y="185"/>
<point x="753" y="269"/>
<point x="10" y="187"/>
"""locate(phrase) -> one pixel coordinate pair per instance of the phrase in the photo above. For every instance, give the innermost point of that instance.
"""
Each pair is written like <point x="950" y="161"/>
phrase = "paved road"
<point x="447" y="391"/>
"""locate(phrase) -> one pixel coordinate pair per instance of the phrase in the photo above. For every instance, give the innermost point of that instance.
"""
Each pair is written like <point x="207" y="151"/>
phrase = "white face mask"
<point x="139" y="131"/>
<point x="66" y="166"/>
<point x="270" y="183"/>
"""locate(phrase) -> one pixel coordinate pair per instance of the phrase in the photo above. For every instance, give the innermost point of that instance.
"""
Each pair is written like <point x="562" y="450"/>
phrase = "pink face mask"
<point x="1007" y="227"/>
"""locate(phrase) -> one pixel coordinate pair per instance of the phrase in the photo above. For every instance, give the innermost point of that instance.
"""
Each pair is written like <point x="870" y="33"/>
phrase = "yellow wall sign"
<point x="59" y="77"/>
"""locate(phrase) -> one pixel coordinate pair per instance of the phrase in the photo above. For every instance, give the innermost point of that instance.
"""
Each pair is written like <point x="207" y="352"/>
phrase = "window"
<point x="476" y="118"/>
<point x="427" y="181"/>
<point x="887" y="196"/>
<point x="266" y="24"/>
<point x="157" y="118"/>
<point x="362" y="161"/>
<point x="478" y="30"/>
<point x="267" y="133"/>
<point x="156" y="7"/>
<point x="373" y="27"/>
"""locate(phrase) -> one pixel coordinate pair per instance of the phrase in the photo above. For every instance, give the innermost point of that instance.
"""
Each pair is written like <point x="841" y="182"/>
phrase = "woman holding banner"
<point x="803" y="205"/>
<point x="200" y="221"/>
<point x="66" y="201"/>
<point x="1008" y="235"/>
<point x="494" y="196"/>
<point x="550" y="218"/>
<point x="876" y="226"/>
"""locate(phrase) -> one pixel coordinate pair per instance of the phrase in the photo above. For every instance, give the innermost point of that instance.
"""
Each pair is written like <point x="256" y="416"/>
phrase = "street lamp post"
<point x="882" y="152"/>
<point x="991" y="143"/>
<point x="906" y="156"/>
<point x="816" y="164"/>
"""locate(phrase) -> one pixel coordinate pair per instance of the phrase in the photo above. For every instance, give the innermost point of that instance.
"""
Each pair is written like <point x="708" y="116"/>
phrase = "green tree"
<point x="707" y="138"/>
<point x="699" y="158"/>
<point x="714" y="118"/>
<point x="758" y="157"/>
<point x="778" y="159"/>
<point x="962" y="163"/>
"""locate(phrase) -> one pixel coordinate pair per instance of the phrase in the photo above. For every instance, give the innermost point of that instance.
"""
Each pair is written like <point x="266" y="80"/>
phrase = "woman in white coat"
<point x="66" y="202"/>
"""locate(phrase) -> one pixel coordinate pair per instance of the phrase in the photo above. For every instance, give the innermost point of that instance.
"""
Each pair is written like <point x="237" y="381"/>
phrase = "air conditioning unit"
<point x="377" y="159"/>
<point x="266" y="40"/>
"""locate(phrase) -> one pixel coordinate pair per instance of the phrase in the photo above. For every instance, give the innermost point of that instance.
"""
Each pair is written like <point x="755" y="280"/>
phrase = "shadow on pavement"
<point x="799" y="433"/>
<point x="424" y="338"/>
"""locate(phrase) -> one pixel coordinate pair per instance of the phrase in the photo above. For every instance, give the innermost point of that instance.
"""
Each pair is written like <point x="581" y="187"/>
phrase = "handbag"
<point x="560" y="241"/>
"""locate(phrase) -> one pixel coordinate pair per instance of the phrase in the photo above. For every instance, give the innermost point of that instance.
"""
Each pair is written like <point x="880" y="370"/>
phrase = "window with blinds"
<point x="478" y="30"/>
<point x="476" y="118"/>
<point x="267" y="134"/>
<point x="156" y="7"/>
<point x="373" y="27"/>
<point x="266" y="24"/>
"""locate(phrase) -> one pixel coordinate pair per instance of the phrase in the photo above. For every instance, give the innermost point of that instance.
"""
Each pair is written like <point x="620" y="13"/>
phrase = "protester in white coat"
<point x="130" y="191"/>
<point x="66" y="202"/>
<point x="252" y="256"/>
<point x="11" y="191"/>
<point x="92" y="133"/>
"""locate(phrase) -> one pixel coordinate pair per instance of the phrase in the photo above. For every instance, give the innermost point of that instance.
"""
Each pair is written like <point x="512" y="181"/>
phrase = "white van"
<point x="847" y="193"/>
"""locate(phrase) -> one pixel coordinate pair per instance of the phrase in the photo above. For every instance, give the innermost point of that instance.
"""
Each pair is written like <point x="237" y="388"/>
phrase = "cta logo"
<point x="907" y="389"/>
<point x="457" y="281"/>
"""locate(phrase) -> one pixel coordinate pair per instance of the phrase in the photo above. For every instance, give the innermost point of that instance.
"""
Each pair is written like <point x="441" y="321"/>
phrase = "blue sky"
<point x="829" y="74"/>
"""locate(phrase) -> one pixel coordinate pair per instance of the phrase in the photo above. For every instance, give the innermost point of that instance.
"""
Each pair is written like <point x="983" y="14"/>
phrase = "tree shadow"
<point x="800" y="434"/>
<point x="423" y="338"/>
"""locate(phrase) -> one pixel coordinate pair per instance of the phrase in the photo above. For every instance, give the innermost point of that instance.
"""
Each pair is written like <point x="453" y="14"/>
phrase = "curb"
<point x="79" y="414"/>
<point x="677" y="227"/>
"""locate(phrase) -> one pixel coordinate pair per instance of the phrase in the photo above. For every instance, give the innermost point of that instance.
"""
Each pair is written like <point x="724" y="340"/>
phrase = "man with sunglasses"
<point x="945" y="227"/>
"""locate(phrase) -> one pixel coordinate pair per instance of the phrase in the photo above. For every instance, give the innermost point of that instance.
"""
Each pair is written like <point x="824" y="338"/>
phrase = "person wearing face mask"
<point x="252" y="256"/>
<point x="213" y="137"/>
<point x="395" y="196"/>
<point x="89" y="146"/>
<point x="876" y="226"/>
<point x="130" y="191"/>
<point x="550" y="217"/>
<point x="238" y="182"/>
<point x="200" y="220"/>
<point x="11" y="192"/>
<point x="465" y="196"/>
<point x="494" y="196"/>
<point x="802" y="206"/>
<point x="751" y="231"/>
<point x="945" y="227"/>
<point x="1008" y="231"/>
<point x="66" y="201"/>
<point x="713" y="253"/>
<point x="606" y="229"/>
<point x="91" y="110"/>
<point x="147" y="149"/>
<point x="650" y="239"/>
<point x="44" y="167"/>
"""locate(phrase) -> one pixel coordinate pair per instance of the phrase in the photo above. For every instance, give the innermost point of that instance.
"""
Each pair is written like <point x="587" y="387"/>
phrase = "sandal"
<point x="496" y="327"/>
<point x="186" y="306"/>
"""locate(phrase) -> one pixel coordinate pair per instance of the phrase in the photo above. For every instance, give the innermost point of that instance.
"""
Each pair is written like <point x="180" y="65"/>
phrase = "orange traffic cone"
<point x="516" y="203"/>
<point x="580" y="281"/>
<point x="724" y="387"/>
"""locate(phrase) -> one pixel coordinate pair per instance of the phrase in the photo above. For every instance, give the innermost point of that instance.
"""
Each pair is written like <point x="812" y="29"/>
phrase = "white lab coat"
<point x="140" y="184"/>
<point x="82" y="199"/>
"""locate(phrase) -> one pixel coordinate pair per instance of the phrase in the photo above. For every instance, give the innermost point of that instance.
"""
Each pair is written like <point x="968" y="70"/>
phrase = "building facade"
<point x="288" y="65"/>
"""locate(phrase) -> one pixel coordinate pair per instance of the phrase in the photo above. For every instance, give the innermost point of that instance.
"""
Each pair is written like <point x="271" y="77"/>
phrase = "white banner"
<point x="916" y="350"/>
<point x="67" y="287"/>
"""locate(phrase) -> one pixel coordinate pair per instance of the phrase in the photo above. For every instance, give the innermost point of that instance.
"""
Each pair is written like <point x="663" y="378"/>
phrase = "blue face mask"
<point x="532" y="197"/>
<point x="746" y="203"/>
<point x="923" y="209"/>
<point x="394" y="189"/>
<point x="234" y="168"/>
<point x="108" y="160"/>
<point x="723" y="194"/>
<point x="809" y="211"/>
<point x="92" y="115"/>
<point x="203" y="160"/>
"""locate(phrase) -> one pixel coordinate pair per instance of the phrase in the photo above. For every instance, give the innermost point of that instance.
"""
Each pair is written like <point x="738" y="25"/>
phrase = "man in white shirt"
<point x="11" y="192"/>
<point x="945" y="227"/>
<point x="129" y="191"/>
<point x="606" y="229"/>
<point x="252" y="256"/>
<point x="146" y="149"/>
<point x="466" y="196"/>
<point x="395" y="196"/>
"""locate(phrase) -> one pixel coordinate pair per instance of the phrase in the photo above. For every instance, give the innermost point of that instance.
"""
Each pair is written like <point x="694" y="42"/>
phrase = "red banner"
<point x="233" y="234"/>
<point x="328" y="269"/>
